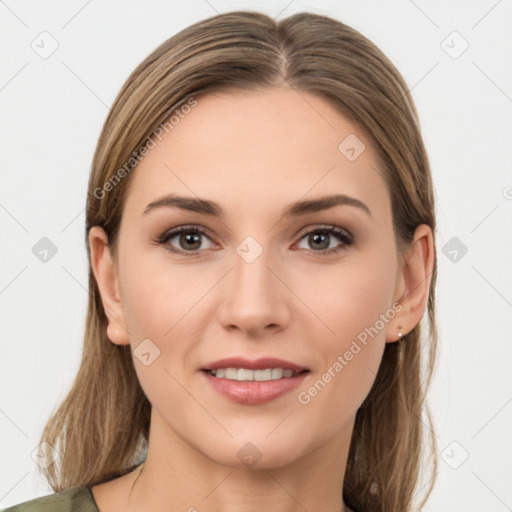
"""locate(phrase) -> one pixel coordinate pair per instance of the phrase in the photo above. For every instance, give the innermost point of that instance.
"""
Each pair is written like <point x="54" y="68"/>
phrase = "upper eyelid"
<point x="170" y="233"/>
<point x="206" y="231"/>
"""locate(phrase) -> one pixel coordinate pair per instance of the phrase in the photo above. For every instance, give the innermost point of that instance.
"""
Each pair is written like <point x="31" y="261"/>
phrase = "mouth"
<point x="259" y="370"/>
<point x="254" y="382"/>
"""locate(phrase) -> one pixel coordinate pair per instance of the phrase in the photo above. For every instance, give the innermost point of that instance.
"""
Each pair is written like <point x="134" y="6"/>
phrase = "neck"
<point x="176" y="476"/>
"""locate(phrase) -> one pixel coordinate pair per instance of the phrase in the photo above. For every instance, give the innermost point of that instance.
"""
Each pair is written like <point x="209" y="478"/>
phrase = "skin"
<point x="254" y="153"/>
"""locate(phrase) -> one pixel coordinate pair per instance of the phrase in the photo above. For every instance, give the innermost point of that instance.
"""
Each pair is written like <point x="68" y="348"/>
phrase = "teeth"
<point x="243" y="374"/>
<point x="230" y="373"/>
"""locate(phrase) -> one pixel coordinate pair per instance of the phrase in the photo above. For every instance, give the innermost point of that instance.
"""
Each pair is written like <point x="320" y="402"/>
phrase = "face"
<point x="314" y="288"/>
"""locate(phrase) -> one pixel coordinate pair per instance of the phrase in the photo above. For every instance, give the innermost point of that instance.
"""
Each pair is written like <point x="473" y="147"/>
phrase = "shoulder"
<point x="74" y="499"/>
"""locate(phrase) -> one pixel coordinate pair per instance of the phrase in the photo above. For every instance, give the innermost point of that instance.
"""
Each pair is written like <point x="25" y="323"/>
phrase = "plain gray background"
<point x="53" y="107"/>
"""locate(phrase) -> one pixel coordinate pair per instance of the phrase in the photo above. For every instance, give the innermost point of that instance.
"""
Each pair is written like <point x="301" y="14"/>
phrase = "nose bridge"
<point x="252" y="277"/>
<point x="254" y="298"/>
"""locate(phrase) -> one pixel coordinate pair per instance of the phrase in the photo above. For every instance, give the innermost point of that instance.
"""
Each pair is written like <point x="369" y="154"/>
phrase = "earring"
<point x="400" y="334"/>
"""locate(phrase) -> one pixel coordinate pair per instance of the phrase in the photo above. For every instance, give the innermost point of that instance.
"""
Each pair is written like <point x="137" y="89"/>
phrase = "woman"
<point x="229" y="363"/>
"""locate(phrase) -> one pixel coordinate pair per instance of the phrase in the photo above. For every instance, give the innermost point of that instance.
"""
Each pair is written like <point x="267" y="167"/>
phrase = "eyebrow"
<point x="205" y="207"/>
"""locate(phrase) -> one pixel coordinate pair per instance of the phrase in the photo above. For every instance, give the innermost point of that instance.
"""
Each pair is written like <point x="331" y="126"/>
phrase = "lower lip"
<point x="254" y="392"/>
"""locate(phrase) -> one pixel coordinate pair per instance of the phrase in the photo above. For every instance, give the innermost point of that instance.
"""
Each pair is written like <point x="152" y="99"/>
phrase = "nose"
<point x="255" y="298"/>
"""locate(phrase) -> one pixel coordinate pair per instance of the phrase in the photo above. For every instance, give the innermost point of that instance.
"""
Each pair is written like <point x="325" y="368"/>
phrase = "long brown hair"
<point x="101" y="428"/>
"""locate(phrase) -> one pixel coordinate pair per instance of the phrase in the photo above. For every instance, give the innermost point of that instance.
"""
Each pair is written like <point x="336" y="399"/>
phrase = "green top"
<point x="73" y="499"/>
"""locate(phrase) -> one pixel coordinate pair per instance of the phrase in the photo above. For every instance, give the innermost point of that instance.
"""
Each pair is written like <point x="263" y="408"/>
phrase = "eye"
<point x="321" y="238"/>
<point x="188" y="240"/>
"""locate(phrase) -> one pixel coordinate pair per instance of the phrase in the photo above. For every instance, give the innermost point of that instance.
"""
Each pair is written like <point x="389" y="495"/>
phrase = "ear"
<point x="106" y="275"/>
<point x="414" y="279"/>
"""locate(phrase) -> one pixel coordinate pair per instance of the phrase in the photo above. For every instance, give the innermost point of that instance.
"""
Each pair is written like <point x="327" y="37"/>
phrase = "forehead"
<point x="266" y="147"/>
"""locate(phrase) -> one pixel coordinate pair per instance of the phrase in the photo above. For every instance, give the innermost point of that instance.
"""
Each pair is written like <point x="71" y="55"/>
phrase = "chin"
<point x="255" y="453"/>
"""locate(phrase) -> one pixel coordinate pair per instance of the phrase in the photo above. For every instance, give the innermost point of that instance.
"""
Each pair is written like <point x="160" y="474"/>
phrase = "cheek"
<point x="345" y="299"/>
<point x="157" y="294"/>
<point x="156" y="317"/>
<point x="354" y="305"/>
<point x="164" y="303"/>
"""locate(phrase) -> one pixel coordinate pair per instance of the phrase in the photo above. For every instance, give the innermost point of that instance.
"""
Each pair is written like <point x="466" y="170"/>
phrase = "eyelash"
<point x="342" y="235"/>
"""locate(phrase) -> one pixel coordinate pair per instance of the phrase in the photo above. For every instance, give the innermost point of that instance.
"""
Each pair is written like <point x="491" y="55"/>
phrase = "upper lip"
<point x="257" y="364"/>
